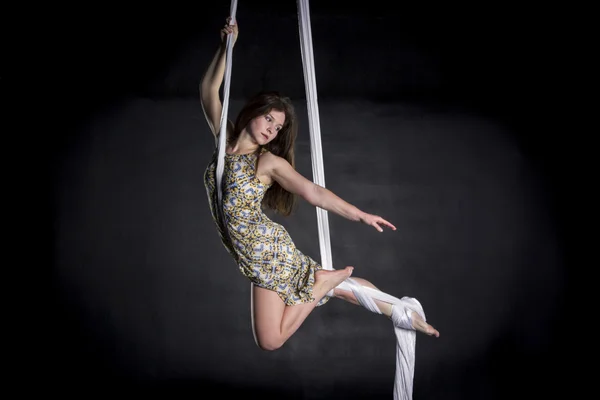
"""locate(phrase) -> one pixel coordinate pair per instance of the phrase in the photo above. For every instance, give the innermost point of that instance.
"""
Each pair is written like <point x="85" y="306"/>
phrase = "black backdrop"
<point x="434" y="116"/>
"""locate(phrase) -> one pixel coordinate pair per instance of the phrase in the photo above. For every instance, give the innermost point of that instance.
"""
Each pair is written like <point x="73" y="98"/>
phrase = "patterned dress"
<point x="262" y="249"/>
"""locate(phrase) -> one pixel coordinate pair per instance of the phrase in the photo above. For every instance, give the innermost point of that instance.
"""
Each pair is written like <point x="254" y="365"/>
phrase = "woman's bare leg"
<point x="386" y="308"/>
<point x="348" y="295"/>
<point x="273" y="322"/>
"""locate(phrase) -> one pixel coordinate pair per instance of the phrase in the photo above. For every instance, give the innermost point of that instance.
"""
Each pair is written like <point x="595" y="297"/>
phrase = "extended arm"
<point x="212" y="80"/>
<point x="283" y="173"/>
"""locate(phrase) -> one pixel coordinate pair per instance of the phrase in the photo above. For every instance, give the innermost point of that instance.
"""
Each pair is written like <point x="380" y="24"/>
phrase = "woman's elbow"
<point x="315" y="196"/>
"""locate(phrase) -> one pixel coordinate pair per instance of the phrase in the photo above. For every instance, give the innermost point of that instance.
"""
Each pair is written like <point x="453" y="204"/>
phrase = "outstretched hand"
<point x="376" y="221"/>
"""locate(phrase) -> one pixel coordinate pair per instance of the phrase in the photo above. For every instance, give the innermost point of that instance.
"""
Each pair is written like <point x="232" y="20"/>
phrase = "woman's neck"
<point x="243" y="145"/>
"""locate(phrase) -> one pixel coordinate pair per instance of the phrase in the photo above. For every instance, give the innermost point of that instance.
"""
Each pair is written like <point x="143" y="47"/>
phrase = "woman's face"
<point x="264" y="128"/>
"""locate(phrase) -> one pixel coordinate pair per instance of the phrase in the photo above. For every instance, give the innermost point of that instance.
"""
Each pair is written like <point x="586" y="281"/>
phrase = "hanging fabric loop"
<point x="401" y="308"/>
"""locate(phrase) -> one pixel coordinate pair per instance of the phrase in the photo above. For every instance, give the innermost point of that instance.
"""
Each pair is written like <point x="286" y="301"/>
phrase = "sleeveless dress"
<point x="262" y="248"/>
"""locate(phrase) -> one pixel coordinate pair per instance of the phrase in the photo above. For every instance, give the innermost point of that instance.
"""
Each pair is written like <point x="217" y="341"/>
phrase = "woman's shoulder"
<point x="266" y="155"/>
<point x="270" y="160"/>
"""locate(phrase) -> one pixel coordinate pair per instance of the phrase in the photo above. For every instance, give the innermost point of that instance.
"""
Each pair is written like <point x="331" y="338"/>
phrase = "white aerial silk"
<point x="225" y="111"/>
<point x="401" y="308"/>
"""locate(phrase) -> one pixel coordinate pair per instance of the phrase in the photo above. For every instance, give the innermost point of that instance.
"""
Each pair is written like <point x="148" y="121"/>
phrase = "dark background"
<point x="438" y="116"/>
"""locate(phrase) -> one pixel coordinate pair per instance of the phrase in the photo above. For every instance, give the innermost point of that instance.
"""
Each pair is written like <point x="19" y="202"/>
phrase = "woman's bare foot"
<point x="325" y="280"/>
<point x="422" y="326"/>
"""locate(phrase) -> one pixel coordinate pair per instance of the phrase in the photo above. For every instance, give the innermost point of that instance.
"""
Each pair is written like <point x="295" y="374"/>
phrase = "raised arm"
<point x="291" y="180"/>
<point x="212" y="80"/>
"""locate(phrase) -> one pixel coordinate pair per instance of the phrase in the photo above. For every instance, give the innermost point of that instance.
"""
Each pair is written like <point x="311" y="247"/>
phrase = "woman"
<point x="259" y="172"/>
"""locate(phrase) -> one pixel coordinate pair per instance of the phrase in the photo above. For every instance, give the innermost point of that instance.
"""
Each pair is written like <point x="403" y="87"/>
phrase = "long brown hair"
<point x="276" y="198"/>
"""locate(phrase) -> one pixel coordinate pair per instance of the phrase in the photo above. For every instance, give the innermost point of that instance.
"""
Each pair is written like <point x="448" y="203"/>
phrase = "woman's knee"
<point x="269" y="343"/>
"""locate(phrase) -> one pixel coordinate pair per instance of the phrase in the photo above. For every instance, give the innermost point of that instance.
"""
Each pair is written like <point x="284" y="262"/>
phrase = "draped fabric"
<point x="402" y="308"/>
